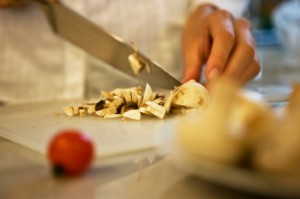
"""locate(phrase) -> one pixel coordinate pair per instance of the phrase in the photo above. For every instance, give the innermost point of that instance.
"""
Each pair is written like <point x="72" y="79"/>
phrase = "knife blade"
<point x="100" y="44"/>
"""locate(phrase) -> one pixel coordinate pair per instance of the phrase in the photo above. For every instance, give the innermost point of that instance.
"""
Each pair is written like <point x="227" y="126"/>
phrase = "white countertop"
<point x="24" y="174"/>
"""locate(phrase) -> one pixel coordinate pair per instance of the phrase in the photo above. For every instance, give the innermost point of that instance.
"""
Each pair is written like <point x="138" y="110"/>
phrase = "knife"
<point x="98" y="43"/>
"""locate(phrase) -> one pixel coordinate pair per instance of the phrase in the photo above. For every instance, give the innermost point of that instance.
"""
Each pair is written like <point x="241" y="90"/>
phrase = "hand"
<point x="8" y="3"/>
<point x="214" y="37"/>
<point x="12" y="3"/>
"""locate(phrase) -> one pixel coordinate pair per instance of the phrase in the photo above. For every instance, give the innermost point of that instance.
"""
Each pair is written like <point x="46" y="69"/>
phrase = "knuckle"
<point x="224" y="14"/>
<point x="242" y="22"/>
<point x="248" y="49"/>
<point x="228" y="36"/>
<point x="218" y="61"/>
<point x="256" y="68"/>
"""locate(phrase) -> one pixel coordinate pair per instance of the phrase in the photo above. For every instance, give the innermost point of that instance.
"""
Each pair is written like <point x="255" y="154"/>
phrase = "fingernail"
<point x="213" y="74"/>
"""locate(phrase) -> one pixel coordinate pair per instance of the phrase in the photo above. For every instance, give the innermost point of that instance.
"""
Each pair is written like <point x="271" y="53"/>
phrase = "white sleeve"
<point x="236" y="7"/>
<point x="35" y="64"/>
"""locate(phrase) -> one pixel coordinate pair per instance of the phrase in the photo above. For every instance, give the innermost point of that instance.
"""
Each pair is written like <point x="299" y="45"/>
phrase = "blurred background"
<point x="276" y="28"/>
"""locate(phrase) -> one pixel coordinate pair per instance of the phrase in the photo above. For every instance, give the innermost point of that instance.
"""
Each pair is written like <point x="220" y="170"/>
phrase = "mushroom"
<point x="148" y="94"/>
<point x="106" y="111"/>
<point x="191" y="94"/>
<point x="76" y="110"/>
<point x="213" y="135"/>
<point x="168" y="102"/>
<point x="132" y="114"/>
<point x="68" y="110"/>
<point x="280" y="151"/>
<point x="155" y="109"/>
<point x="82" y="111"/>
<point x="122" y="100"/>
<point x="134" y="60"/>
<point x="144" y="110"/>
<point x="91" y="108"/>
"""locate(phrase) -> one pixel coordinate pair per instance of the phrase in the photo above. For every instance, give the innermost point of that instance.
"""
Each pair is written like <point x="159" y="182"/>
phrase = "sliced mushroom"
<point x="132" y="114"/>
<point x="68" y="110"/>
<point x="156" y="110"/>
<point x="107" y="111"/>
<point x="76" y="110"/>
<point x="82" y="112"/>
<point x="122" y="100"/>
<point x="168" y="102"/>
<point x="127" y="96"/>
<point x="134" y="96"/>
<point x="135" y="63"/>
<point x="148" y="94"/>
<point x="91" y="108"/>
<point x="144" y="110"/>
<point x="191" y="94"/>
<point x="134" y="60"/>
<point x="117" y="102"/>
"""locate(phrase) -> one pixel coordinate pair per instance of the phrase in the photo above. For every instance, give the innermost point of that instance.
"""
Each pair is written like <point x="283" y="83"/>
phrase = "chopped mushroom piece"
<point x="135" y="62"/>
<point x="143" y="110"/>
<point x="68" y="111"/>
<point x="148" y="94"/>
<point x="105" y="111"/>
<point x="127" y="96"/>
<point x="76" y="110"/>
<point x="168" y="102"/>
<point x="134" y="96"/>
<point x="132" y="114"/>
<point x="156" y="110"/>
<point x="131" y="102"/>
<point x="191" y="94"/>
<point x="91" y="108"/>
<point x="105" y="95"/>
<point x="82" y="112"/>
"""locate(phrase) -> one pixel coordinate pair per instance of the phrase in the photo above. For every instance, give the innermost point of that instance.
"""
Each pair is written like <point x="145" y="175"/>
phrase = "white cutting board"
<point x="33" y="125"/>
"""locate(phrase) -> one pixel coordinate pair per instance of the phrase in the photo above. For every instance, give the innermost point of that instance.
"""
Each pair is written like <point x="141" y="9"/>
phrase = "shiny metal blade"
<point x="95" y="41"/>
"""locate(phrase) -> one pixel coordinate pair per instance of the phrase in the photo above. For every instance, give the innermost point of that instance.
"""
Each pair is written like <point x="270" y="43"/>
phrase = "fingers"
<point x="243" y="63"/>
<point x="223" y="36"/>
<point x="193" y="63"/>
<point x="11" y="3"/>
<point x="244" y="50"/>
<point x="233" y="55"/>
<point x="224" y="43"/>
<point x="6" y="3"/>
<point x="196" y="42"/>
<point x="251" y="71"/>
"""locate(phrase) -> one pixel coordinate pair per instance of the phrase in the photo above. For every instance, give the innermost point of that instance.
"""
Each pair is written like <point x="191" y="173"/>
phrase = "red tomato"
<point x="70" y="152"/>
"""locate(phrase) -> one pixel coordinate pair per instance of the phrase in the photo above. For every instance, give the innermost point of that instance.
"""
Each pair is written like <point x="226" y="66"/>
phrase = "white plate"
<point x="241" y="179"/>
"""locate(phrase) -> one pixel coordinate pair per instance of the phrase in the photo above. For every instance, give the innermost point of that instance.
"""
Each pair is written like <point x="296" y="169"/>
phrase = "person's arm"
<point x="10" y="3"/>
<point x="224" y="43"/>
<point x="6" y="3"/>
<point x="13" y="3"/>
